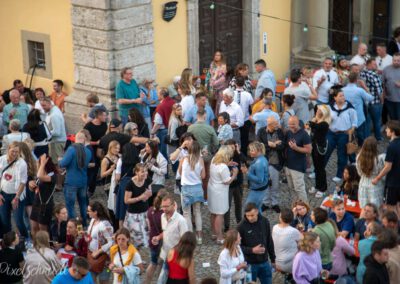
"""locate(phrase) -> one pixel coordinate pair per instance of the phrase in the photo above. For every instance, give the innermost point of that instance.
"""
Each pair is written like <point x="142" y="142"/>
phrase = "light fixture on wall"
<point x="212" y="6"/>
<point x="305" y="28"/>
<point x="355" y="38"/>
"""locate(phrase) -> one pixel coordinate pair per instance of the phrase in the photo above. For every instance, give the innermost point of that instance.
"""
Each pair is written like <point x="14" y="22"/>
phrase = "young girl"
<point x="225" y="131"/>
<point x="369" y="164"/>
<point x="350" y="183"/>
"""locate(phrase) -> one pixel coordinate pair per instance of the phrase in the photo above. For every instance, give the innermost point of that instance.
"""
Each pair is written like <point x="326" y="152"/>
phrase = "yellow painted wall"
<point x="170" y="42"/>
<point x="52" y="17"/>
<point x="278" y="35"/>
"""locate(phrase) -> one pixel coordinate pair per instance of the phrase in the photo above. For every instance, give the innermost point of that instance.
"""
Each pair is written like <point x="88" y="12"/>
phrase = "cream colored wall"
<point x="278" y="35"/>
<point x="52" y="17"/>
<point x="170" y="42"/>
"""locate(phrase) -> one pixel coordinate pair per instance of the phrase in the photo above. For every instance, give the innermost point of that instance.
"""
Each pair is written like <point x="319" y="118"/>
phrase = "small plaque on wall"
<point x="169" y="11"/>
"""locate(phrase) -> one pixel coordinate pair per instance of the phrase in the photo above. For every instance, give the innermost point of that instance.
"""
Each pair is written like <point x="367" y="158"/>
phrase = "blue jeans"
<point x="361" y="133"/>
<point x="5" y="215"/>
<point x="393" y="109"/>
<point x="70" y="195"/>
<point x="124" y="119"/>
<point x="337" y="141"/>
<point x="256" y="197"/>
<point x="161" y="133"/>
<point x="374" y="118"/>
<point x="261" y="271"/>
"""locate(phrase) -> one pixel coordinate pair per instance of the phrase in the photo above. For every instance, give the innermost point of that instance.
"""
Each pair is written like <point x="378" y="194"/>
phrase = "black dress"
<point x="43" y="203"/>
<point x="319" y="132"/>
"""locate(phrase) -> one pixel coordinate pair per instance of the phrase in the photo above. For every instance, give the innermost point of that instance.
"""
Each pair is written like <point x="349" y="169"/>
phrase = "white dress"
<point x="217" y="191"/>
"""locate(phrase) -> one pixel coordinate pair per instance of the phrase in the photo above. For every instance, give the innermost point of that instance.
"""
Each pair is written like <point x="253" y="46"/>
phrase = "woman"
<point x="14" y="135"/>
<point x="43" y="187"/>
<point x="242" y="69"/>
<point x="257" y="174"/>
<point x="319" y="126"/>
<point x="41" y="260"/>
<point x="14" y="175"/>
<point x="231" y="260"/>
<point x="39" y="95"/>
<point x="224" y="131"/>
<point x="350" y="183"/>
<point x="186" y="82"/>
<point x="58" y="228"/>
<point x="75" y="240"/>
<point x="288" y="111"/>
<point x="175" y="121"/>
<point x="369" y="164"/>
<point x="218" y="189"/>
<point x="136" y="117"/>
<point x="13" y="257"/>
<point x="137" y="193"/>
<point x="100" y="239"/>
<point x="192" y="171"/>
<point x="343" y="125"/>
<point x="155" y="229"/>
<point x="285" y="239"/>
<point x="187" y="101"/>
<point x="301" y="216"/>
<point x="216" y="78"/>
<point x="38" y="131"/>
<point x="108" y="166"/>
<point x="180" y="261"/>
<point x="267" y="94"/>
<point x="307" y="262"/>
<point x="126" y="261"/>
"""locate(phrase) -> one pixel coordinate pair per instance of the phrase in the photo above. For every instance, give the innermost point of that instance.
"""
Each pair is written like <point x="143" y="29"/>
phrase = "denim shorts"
<point x="154" y="255"/>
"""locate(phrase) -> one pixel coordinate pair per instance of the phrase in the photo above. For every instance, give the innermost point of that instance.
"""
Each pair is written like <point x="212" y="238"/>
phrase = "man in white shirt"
<point x="235" y="112"/>
<point x="383" y="59"/>
<point x="324" y="79"/>
<point x="361" y="57"/>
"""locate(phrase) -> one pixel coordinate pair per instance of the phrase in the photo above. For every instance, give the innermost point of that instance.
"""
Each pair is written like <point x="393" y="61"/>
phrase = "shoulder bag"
<point x="98" y="263"/>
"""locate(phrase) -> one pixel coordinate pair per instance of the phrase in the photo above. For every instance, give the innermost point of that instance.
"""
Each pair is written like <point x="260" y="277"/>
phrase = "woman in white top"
<point x="187" y="101"/>
<point x="175" y="120"/>
<point x="186" y="81"/>
<point x="218" y="189"/>
<point x="285" y="239"/>
<point x="14" y="135"/>
<point x="192" y="171"/>
<point x="99" y="237"/>
<point x="231" y="260"/>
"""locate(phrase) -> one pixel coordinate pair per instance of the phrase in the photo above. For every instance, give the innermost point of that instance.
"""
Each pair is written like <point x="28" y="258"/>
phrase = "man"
<point x="362" y="55"/>
<point x="273" y="138"/>
<point x="92" y="101"/>
<point x="235" y="112"/>
<point x="260" y="118"/>
<point x="114" y="133"/>
<point x="394" y="44"/>
<point x="391" y="84"/>
<point x="374" y="84"/>
<point x="15" y="110"/>
<point x="201" y="102"/>
<point x="266" y="79"/>
<point x="382" y="59"/>
<point x="257" y="244"/>
<point x="391" y="221"/>
<point x="97" y="129"/>
<point x="375" y="265"/>
<point x="173" y="226"/>
<point x="390" y="240"/>
<point x="19" y="86"/>
<point x="371" y="214"/>
<point x="392" y="168"/>
<point x="77" y="273"/>
<point x="76" y="161"/>
<point x="245" y="100"/>
<point x="127" y="94"/>
<point x="298" y="146"/>
<point x="324" y="79"/>
<point x="358" y="97"/>
<point x="58" y="96"/>
<point x="343" y="220"/>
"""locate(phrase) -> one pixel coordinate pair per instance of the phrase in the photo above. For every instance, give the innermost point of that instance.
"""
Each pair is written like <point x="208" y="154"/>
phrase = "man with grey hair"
<point x="361" y="57"/>
<point x="235" y="112"/>
<point x="15" y="109"/>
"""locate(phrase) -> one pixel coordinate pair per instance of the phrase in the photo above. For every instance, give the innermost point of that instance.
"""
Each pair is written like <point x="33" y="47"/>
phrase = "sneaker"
<point x="312" y="175"/>
<point x="312" y="190"/>
<point x="199" y="240"/>
<point x="319" y="194"/>
<point x="220" y="242"/>
<point x="337" y="179"/>
<point x="276" y="208"/>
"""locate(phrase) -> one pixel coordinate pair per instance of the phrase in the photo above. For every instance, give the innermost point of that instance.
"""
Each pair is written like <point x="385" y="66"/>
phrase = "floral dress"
<point x="216" y="82"/>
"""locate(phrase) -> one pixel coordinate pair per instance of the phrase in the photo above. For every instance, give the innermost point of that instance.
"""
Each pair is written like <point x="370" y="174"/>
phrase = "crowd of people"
<point x="221" y="139"/>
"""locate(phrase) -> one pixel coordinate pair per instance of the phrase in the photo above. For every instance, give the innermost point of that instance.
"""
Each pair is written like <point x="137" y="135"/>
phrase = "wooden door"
<point x="381" y="22"/>
<point x="341" y="19"/>
<point x="220" y="28"/>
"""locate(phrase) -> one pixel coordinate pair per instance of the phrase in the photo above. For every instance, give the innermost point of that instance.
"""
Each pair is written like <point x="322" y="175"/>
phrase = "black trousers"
<point x="235" y="192"/>
<point x="244" y="136"/>
<point x="319" y="168"/>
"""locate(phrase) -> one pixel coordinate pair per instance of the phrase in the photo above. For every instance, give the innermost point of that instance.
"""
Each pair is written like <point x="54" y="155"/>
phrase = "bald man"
<point x="362" y="56"/>
<point x="273" y="138"/>
<point x="298" y="146"/>
<point x="15" y="109"/>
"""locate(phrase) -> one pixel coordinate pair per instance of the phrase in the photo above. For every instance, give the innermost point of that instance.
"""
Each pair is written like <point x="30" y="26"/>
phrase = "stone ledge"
<point x="97" y="4"/>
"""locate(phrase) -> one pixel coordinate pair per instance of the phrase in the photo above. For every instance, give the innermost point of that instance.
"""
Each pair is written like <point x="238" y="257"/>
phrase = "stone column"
<point x="395" y="14"/>
<point x="193" y="35"/>
<point x="107" y="36"/>
<point x="251" y="34"/>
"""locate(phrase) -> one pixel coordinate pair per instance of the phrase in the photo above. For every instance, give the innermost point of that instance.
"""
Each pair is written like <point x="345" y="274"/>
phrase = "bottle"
<point x="335" y="195"/>
<point x="286" y="82"/>
<point x="309" y="227"/>
<point x="248" y="274"/>
<point x="351" y="242"/>
<point x="341" y="195"/>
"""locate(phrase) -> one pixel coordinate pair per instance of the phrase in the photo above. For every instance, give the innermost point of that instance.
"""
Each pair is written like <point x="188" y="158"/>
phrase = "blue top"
<point x="364" y="248"/>
<point x="64" y="277"/>
<point x="357" y="97"/>
<point x="21" y="113"/>
<point x="346" y="224"/>
<point x="260" y="118"/>
<point x="127" y="91"/>
<point x="258" y="172"/>
<point x="266" y="80"/>
<point x="191" y="114"/>
<point x="75" y="176"/>
<point x="153" y="96"/>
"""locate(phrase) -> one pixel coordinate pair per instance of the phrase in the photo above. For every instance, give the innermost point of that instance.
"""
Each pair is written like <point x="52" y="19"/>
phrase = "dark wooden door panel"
<point x="341" y="20"/>
<point x="381" y="22"/>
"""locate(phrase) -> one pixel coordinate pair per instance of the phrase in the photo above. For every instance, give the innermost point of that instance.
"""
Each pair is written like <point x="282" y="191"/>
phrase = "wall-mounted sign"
<point x="169" y="10"/>
<point x="265" y="43"/>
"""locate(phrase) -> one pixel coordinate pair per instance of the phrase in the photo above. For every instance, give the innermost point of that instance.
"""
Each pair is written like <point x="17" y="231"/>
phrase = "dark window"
<point x="36" y="54"/>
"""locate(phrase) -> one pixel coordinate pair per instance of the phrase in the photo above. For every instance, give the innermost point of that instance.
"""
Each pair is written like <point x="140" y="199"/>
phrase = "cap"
<point x="115" y="122"/>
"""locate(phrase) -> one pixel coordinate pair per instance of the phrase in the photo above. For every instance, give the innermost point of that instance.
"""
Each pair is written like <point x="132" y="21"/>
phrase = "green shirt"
<point x="327" y="235"/>
<point x="127" y="91"/>
<point x="204" y="134"/>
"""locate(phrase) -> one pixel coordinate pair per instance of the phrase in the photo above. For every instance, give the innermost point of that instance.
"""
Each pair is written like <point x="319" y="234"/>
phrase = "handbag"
<point x="98" y="263"/>
<point x="351" y="146"/>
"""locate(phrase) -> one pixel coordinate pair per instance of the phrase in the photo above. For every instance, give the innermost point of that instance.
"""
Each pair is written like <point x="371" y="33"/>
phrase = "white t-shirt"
<point x="244" y="101"/>
<point x="358" y="59"/>
<point x="383" y="62"/>
<point x="187" y="103"/>
<point x="331" y="78"/>
<point x="137" y="259"/>
<point x="300" y="106"/>
<point x="285" y="245"/>
<point x="189" y="176"/>
<point x="158" y="120"/>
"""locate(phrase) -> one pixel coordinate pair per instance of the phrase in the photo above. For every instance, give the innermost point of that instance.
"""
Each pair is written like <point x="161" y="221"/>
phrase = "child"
<point x="225" y="131"/>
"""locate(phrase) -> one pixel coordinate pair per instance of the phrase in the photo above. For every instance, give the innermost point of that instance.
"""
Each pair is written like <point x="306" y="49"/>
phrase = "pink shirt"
<point x="341" y="248"/>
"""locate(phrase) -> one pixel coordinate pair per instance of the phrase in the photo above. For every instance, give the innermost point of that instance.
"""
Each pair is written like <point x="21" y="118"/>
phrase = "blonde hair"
<point x="257" y="146"/>
<point x="305" y="244"/>
<point x="230" y="241"/>
<point x="194" y="155"/>
<point x="42" y="240"/>
<point x="326" y="113"/>
<point x="113" y="143"/>
<point x="223" y="156"/>
<point x="173" y="116"/>
<point x="26" y="154"/>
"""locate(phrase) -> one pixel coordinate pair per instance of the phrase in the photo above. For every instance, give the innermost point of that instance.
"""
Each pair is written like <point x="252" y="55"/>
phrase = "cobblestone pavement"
<point x="209" y="251"/>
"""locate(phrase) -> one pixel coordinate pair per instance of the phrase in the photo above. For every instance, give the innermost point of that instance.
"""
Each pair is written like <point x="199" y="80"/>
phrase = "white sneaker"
<point x="312" y="190"/>
<point x="336" y="179"/>
<point x="319" y="194"/>
<point x="312" y="175"/>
